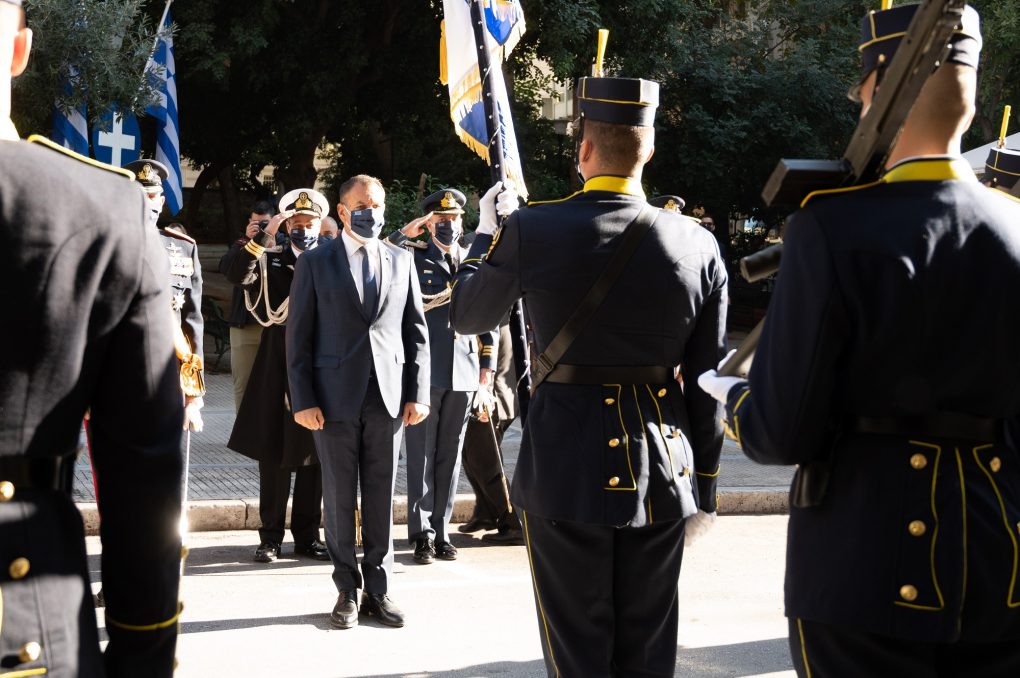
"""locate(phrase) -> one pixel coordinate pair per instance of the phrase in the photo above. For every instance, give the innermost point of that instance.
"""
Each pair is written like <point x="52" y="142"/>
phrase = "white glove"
<point x="193" y="415"/>
<point x="698" y="525"/>
<point x="716" y="386"/>
<point x="484" y="400"/>
<point x="499" y="200"/>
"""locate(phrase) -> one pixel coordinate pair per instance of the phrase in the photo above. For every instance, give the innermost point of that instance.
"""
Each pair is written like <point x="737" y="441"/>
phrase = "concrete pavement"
<point x="473" y="618"/>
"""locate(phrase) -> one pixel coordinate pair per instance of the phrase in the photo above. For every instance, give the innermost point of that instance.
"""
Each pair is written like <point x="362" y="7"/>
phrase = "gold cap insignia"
<point x="303" y="202"/>
<point x="699" y="212"/>
<point x="145" y="174"/>
<point x="448" y="201"/>
<point x="671" y="206"/>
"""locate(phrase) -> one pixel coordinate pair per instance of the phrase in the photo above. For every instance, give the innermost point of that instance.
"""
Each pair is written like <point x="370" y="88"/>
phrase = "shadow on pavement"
<point x="319" y="621"/>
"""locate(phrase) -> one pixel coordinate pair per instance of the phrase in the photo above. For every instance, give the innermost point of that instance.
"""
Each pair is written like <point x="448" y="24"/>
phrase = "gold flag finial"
<point x="600" y="56"/>
<point x="886" y="4"/>
<point x="1005" y="125"/>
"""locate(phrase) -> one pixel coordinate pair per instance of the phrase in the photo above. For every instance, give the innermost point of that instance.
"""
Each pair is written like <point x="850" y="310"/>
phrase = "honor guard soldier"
<point x="265" y="429"/>
<point x="670" y="203"/>
<point x="615" y="458"/>
<point x="185" y="290"/>
<point x="460" y="363"/>
<point x="93" y="331"/>
<point x="887" y="371"/>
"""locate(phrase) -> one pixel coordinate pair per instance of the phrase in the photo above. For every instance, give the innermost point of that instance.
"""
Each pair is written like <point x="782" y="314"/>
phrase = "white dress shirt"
<point x="355" y="254"/>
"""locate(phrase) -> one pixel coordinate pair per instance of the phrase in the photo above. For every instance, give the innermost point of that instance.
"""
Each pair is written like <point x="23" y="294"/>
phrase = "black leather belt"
<point x="939" y="425"/>
<point x="610" y="374"/>
<point x="39" y="473"/>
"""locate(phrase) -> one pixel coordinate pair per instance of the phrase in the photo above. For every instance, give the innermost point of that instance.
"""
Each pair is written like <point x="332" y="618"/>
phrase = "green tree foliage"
<point x="101" y="48"/>
<point x="999" y="82"/>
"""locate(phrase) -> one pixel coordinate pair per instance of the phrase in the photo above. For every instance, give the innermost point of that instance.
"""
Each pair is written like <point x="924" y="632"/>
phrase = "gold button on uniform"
<point x="662" y="393"/>
<point x="995" y="464"/>
<point x="908" y="593"/>
<point x="917" y="528"/>
<point x="918" y="461"/>
<point x="687" y="470"/>
<point x="6" y="491"/>
<point x="19" y="568"/>
<point x="30" y="652"/>
<point x="610" y="401"/>
<point x="614" y="442"/>
<point x="614" y="481"/>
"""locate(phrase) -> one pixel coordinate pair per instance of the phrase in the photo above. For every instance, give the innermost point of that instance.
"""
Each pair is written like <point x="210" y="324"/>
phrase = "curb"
<point x="219" y="515"/>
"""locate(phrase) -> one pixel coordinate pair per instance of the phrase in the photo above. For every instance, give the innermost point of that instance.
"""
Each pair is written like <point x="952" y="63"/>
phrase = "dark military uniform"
<point x="434" y="446"/>
<point x="93" y="331"/>
<point x="185" y="285"/>
<point x="614" y="454"/>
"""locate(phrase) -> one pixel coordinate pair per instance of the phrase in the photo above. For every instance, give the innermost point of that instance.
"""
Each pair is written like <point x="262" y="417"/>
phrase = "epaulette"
<point x="550" y="202"/>
<point x="43" y="141"/>
<point x="416" y="244"/>
<point x="835" y="191"/>
<point x="171" y="233"/>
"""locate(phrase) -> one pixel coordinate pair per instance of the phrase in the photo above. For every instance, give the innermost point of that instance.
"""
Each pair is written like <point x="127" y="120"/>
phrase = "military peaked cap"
<point x="672" y="203"/>
<point x="444" y="201"/>
<point x="149" y="173"/>
<point x="1003" y="167"/>
<point x="305" y="201"/>
<point x="622" y="101"/>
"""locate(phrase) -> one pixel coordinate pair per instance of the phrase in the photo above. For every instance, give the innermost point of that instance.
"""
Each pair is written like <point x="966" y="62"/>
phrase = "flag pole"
<point x="159" y="26"/>
<point x="497" y="169"/>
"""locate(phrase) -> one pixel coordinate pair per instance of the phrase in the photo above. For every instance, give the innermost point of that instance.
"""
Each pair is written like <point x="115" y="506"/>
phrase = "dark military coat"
<point x="456" y="358"/>
<point x="896" y="300"/>
<point x="185" y="285"/>
<point x="610" y="454"/>
<point x="89" y="327"/>
<point x="265" y="429"/>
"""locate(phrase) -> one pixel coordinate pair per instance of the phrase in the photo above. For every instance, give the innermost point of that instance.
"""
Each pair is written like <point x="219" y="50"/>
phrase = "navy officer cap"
<point x="444" y="201"/>
<point x="883" y="30"/>
<point x="149" y="173"/>
<point x="1003" y="167"/>
<point x="620" y="101"/>
<point x="671" y="203"/>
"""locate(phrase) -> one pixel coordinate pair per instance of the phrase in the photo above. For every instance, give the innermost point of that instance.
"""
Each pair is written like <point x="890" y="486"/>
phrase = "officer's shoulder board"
<point x="171" y="233"/>
<point x="836" y="191"/>
<point x="416" y="244"/>
<point x="43" y="141"/>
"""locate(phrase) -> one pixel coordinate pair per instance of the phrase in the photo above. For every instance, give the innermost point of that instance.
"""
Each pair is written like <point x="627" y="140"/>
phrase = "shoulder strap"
<point x="558" y="347"/>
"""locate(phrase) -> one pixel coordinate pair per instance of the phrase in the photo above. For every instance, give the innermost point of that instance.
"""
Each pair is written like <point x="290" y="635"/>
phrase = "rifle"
<point x="922" y="48"/>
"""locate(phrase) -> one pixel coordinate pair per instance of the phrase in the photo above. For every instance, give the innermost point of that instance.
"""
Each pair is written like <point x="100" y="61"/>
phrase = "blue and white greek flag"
<point x="459" y="70"/>
<point x="71" y="130"/>
<point x="168" y="143"/>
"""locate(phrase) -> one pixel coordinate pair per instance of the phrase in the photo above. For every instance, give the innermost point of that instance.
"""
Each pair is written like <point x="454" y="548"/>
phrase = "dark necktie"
<point x="370" y="293"/>
<point x="449" y="262"/>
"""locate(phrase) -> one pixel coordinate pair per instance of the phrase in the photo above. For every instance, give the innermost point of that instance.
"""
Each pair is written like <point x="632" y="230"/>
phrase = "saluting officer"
<point x="460" y="363"/>
<point x="265" y="429"/>
<point x="185" y="288"/>
<point x="887" y="370"/>
<point x="614" y="455"/>
<point x="93" y="330"/>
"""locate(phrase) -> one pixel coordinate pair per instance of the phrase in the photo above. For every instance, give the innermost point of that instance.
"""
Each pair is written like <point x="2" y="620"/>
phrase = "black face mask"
<point x="446" y="233"/>
<point x="302" y="239"/>
<point x="368" y="223"/>
<point x="325" y="238"/>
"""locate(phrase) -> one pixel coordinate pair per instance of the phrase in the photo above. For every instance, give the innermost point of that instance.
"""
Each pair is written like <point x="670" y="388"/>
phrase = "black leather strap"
<point x="609" y="374"/>
<point x="558" y="347"/>
<point x="39" y="473"/>
<point x="958" y="425"/>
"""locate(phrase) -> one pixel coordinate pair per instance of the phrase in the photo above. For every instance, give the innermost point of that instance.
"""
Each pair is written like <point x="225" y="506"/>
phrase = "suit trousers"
<point x="606" y="597"/>
<point x="433" y="465"/>
<point x="365" y="449"/>
<point x="483" y="468"/>
<point x="244" y="346"/>
<point x="306" y="510"/>
<point x="829" y="651"/>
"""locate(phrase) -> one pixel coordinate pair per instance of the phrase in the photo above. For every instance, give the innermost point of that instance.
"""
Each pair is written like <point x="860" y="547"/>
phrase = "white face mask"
<point x="153" y="208"/>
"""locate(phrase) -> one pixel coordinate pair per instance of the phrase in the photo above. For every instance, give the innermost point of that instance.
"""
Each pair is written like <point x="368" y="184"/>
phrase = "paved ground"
<point x="473" y="618"/>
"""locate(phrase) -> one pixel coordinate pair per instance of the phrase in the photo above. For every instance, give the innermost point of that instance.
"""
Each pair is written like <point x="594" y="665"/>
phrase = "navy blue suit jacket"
<point x="332" y="344"/>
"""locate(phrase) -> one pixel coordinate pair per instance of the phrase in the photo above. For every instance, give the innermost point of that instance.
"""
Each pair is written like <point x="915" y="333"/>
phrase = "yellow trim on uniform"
<point x="665" y="441"/>
<point x="1012" y="174"/>
<point x="538" y="597"/>
<point x="934" y="533"/>
<point x="830" y="191"/>
<point x="43" y="141"/>
<point x="963" y="503"/>
<point x="803" y="648"/>
<point x="611" y="184"/>
<point x="148" y="627"/>
<point x="470" y="261"/>
<point x="616" y="101"/>
<point x="736" y="419"/>
<point x="496" y="237"/>
<point x="1009" y="528"/>
<point x="649" y="510"/>
<point x="254" y="249"/>
<point x="869" y="43"/>
<point x="554" y="200"/>
<point x="936" y="169"/>
<point x="25" y="673"/>
<point x="710" y="475"/>
<point x="626" y="440"/>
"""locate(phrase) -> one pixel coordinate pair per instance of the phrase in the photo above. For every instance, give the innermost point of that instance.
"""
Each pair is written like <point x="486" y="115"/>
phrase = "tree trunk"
<point x="231" y="215"/>
<point x="196" y="194"/>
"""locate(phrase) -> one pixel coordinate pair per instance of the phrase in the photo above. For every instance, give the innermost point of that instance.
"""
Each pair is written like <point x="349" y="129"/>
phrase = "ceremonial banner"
<point x="162" y="69"/>
<point x="117" y="138"/>
<point x="71" y="130"/>
<point x="459" y="70"/>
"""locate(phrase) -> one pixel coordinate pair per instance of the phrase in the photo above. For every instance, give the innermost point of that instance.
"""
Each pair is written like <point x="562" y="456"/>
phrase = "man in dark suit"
<point x="93" y="329"/>
<point x="358" y="360"/>
<point x="460" y="364"/>
<point x="615" y="456"/>
<point x="887" y="370"/>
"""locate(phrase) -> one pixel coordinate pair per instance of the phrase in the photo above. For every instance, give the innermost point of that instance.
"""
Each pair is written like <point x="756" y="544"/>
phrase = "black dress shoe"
<point x="314" y="549"/>
<point x="379" y="605"/>
<point x="506" y="536"/>
<point x="446" y="551"/>
<point x="267" y="552"/>
<point x="424" y="551"/>
<point x="345" y="613"/>
<point x="477" y="525"/>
